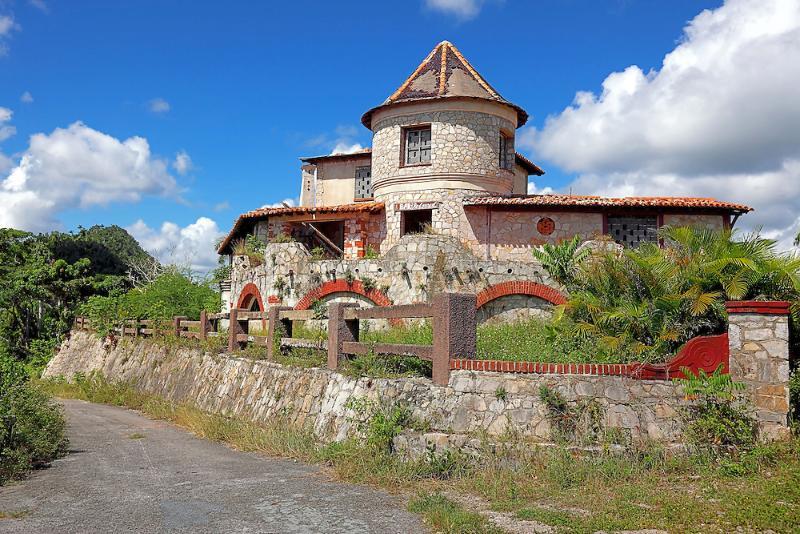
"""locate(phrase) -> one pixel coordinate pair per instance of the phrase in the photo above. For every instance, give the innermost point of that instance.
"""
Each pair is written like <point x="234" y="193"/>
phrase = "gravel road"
<point x="127" y="473"/>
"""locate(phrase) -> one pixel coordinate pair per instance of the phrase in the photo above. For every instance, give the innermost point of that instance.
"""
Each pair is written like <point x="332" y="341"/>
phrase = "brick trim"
<point x="250" y="291"/>
<point x="703" y="352"/>
<point x="764" y="307"/>
<point x="341" y="286"/>
<point x="520" y="287"/>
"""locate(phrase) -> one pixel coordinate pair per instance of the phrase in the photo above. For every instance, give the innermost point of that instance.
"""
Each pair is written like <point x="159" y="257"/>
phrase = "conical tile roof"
<point x="444" y="73"/>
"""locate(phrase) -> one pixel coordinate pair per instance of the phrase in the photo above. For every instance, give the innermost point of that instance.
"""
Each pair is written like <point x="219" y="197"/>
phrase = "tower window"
<point x="506" y="147"/>
<point x="417" y="146"/>
<point x="363" y="183"/>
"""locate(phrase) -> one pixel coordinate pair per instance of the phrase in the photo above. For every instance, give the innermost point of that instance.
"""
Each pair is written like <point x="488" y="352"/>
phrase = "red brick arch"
<point x="248" y="293"/>
<point x="341" y="286"/>
<point x="521" y="287"/>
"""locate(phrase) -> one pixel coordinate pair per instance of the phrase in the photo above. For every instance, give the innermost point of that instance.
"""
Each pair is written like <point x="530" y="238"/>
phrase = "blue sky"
<point x="245" y="88"/>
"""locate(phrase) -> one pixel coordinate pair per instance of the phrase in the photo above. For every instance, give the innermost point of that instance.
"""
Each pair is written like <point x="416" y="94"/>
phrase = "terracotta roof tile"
<point x="605" y="202"/>
<point x="261" y="213"/>
<point x="444" y="73"/>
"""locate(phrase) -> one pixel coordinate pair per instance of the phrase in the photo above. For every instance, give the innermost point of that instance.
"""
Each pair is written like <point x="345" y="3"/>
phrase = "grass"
<point x="136" y="435"/>
<point x="17" y="514"/>
<point x="644" y="488"/>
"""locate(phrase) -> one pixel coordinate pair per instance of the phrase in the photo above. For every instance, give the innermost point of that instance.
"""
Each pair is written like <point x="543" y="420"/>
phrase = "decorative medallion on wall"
<point x="546" y="226"/>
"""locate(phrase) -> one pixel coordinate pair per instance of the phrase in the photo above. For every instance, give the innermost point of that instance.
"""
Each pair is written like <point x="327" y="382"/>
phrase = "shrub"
<point x="32" y="426"/>
<point x="650" y="300"/>
<point x="561" y="261"/>
<point x="718" y="422"/>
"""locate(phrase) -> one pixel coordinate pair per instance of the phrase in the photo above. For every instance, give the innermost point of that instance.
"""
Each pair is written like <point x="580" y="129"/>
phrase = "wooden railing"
<point x="453" y="319"/>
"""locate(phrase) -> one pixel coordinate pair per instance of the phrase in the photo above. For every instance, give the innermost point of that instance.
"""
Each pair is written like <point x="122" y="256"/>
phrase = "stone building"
<point x="439" y="203"/>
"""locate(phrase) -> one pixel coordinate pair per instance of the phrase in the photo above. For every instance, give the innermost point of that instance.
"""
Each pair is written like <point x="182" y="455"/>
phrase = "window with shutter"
<point x="632" y="231"/>
<point x="363" y="183"/>
<point x="418" y="146"/>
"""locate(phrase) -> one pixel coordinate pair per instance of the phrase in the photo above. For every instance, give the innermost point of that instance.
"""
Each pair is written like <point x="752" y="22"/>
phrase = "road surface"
<point x="127" y="473"/>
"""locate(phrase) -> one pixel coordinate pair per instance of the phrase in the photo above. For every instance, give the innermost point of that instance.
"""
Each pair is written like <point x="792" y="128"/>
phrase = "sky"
<point x="170" y="118"/>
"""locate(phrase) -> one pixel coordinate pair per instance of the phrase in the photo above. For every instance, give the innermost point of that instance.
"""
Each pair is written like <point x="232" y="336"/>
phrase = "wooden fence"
<point x="453" y="318"/>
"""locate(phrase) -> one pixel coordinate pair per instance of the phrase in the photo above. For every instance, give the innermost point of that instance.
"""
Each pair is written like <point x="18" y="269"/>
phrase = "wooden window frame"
<point x="403" y="145"/>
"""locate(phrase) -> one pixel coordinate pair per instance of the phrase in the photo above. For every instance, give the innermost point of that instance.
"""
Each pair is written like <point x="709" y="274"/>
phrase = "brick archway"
<point x="521" y="287"/>
<point x="248" y="294"/>
<point x="341" y="286"/>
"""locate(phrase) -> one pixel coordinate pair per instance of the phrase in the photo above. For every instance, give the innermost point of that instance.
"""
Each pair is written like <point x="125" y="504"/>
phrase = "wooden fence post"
<point x="204" y="325"/>
<point x="176" y="325"/>
<point x="276" y="328"/>
<point x="234" y="329"/>
<point x="454" y="332"/>
<point x="339" y="331"/>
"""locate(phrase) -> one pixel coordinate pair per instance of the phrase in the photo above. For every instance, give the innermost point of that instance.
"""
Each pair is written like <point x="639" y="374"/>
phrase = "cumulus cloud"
<point x="6" y="130"/>
<point x="26" y="98"/>
<point x="462" y="9"/>
<point x="78" y="167"/>
<point x="534" y="190"/>
<point x="343" y="140"/>
<point x="192" y="246"/>
<point x="719" y="118"/>
<point x="158" y="106"/>
<point x="7" y="26"/>
<point x="183" y="163"/>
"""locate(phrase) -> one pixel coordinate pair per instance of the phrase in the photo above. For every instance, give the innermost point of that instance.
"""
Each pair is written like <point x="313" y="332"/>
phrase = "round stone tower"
<point x="444" y="134"/>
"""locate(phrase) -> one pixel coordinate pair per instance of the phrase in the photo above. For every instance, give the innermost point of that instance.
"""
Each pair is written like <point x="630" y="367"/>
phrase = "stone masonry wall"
<point x="759" y="357"/>
<point x="468" y="406"/>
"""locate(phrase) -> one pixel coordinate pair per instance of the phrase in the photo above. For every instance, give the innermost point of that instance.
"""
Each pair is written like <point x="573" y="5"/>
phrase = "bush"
<point x="169" y="295"/>
<point x="32" y="426"/>
<point x="718" y="423"/>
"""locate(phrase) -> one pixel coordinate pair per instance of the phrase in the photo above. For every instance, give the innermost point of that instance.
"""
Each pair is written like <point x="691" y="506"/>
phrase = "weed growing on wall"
<point x="579" y="422"/>
<point x="718" y="421"/>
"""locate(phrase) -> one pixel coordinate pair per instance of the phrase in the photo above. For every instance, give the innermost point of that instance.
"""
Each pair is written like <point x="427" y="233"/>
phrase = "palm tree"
<point x="561" y="261"/>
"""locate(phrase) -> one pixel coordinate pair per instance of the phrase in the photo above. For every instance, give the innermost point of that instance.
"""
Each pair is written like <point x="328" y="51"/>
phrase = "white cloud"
<point x="192" y="246"/>
<point x="7" y="25"/>
<point x="26" y="98"/>
<point x="534" y="190"/>
<point x="345" y="148"/>
<point x="183" y="163"/>
<point x="462" y="9"/>
<point x="41" y="5"/>
<point x="290" y="202"/>
<point x="78" y="167"/>
<point x="342" y="140"/>
<point x="719" y="118"/>
<point x="6" y="130"/>
<point x="158" y="105"/>
<point x="222" y="206"/>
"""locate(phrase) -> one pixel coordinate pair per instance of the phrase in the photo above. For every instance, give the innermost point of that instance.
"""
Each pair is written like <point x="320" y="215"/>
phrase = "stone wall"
<point x="417" y="267"/>
<point x="758" y="334"/>
<point x="471" y="404"/>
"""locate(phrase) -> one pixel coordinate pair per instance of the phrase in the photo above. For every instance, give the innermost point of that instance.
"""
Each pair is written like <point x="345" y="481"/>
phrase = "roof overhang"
<point x="246" y="221"/>
<point x="597" y="203"/>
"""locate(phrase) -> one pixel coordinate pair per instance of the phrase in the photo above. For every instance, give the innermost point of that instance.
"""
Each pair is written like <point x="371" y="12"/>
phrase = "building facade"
<point x="439" y="203"/>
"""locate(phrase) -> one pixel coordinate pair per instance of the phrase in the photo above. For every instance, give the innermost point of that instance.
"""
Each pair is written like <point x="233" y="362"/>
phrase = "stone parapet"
<point x="758" y="334"/>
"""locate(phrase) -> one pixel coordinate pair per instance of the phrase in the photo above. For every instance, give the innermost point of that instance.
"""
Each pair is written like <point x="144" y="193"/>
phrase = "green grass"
<point x="644" y="488"/>
<point x="136" y="435"/>
<point x="446" y="516"/>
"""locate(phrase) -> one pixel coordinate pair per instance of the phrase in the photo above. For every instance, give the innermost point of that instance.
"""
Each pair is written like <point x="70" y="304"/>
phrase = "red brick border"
<point x="703" y="352"/>
<point x="341" y="286"/>
<point x="764" y="307"/>
<point x="250" y="291"/>
<point x="521" y="287"/>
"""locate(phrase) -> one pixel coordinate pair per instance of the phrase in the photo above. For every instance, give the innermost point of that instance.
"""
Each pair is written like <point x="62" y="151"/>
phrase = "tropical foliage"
<point x="171" y="294"/>
<point x="562" y="261"/>
<point x="650" y="300"/>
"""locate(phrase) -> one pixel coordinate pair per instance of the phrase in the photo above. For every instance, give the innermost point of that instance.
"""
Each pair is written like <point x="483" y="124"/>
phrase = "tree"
<point x="561" y="261"/>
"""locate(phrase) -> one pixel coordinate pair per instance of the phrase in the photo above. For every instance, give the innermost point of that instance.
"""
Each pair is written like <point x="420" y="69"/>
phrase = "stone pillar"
<point x="454" y="332"/>
<point x="758" y="337"/>
<point x="339" y="331"/>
